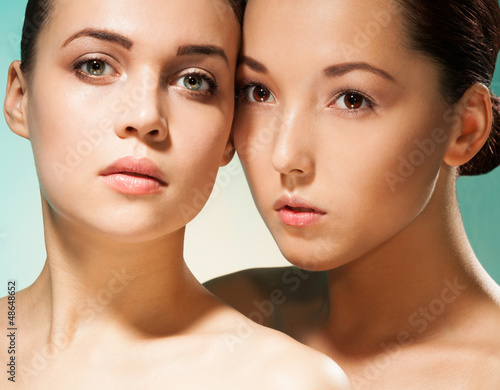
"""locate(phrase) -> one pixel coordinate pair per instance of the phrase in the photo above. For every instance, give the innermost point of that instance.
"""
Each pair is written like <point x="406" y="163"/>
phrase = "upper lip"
<point x="135" y="166"/>
<point x="296" y="202"/>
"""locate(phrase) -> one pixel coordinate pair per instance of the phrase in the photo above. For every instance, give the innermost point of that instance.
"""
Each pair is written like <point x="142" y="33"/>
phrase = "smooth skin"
<point x="393" y="291"/>
<point x="115" y="306"/>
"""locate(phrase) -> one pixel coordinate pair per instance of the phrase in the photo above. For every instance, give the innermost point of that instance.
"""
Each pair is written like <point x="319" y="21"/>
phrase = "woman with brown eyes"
<point x="354" y="120"/>
<point x="128" y="107"/>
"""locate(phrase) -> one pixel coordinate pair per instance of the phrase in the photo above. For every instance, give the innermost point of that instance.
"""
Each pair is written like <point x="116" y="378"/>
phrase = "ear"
<point x="473" y="127"/>
<point x="16" y="98"/>
<point x="228" y="151"/>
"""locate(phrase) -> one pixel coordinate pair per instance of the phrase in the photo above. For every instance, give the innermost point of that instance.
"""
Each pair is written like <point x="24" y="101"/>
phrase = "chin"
<point x="137" y="236"/>
<point x="311" y="255"/>
<point x="302" y="257"/>
<point x="126" y="229"/>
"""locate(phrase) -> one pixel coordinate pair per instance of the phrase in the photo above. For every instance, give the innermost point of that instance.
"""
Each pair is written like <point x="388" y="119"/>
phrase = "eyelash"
<point x="244" y="86"/>
<point x="241" y="92"/>
<point x="78" y="65"/>
<point x="370" y="103"/>
<point x="214" y="87"/>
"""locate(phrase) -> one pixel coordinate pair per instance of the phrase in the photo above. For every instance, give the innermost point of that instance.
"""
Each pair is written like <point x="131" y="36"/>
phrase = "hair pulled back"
<point x="463" y="38"/>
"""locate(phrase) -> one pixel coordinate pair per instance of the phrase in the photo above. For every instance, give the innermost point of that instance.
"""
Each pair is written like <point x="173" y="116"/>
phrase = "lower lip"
<point x="133" y="185"/>
<point x="299" y="219"/>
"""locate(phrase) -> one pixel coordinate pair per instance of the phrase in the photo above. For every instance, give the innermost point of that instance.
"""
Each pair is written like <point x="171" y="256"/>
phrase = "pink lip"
<point x="296" y="212"/>
<point x="130" y="175"/>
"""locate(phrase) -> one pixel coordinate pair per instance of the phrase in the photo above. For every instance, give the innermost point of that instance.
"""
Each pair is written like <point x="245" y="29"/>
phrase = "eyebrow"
<point x="331" y="71"/>
<point x="102" y="35"/>
<point x="252" y="64"/>
<point x="206" y="50"/>
<point x="341" y="69"/>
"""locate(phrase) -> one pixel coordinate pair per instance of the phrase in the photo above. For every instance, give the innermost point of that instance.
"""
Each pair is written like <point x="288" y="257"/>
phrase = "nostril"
<point x="131" y="130"/>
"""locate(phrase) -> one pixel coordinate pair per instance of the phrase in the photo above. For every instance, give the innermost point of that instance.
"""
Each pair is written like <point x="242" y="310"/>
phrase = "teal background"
<point x="22" y="252"/>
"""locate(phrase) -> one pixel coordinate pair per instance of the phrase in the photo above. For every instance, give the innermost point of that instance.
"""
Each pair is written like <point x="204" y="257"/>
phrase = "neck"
<point x="412" y="284"/>
<point x="91" y="281"/>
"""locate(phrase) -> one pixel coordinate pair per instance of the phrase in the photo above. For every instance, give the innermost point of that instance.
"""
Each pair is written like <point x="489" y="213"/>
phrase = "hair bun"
<point x="488" y="158"/>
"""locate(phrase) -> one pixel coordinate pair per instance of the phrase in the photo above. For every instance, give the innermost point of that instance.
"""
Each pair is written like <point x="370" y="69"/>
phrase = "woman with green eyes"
<point x="354" y="120"/>
<point x="128" y="109"/>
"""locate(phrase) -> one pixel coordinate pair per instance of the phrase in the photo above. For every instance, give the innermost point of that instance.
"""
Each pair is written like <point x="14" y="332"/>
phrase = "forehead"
<point x="154" y="23"/>
<point x="336" y="30"/>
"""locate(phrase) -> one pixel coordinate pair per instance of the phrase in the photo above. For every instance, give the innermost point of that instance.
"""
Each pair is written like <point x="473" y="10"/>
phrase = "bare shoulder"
<point x="250" y="282"/>
<point x="248" y="290"/>
<point x="8" y="306"/>
<point x="238" y="288"/>
<point x="489" y="370"/>
<point x="290" y="365"/>
<point x="488" y="340"/>
<point x="251" y="356"/>
<point x="304" y="368"/>
<point x="4" y="309"/>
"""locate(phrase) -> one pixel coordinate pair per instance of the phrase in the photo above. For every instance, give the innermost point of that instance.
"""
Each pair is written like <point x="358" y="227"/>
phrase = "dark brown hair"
<point x="37" y="16"/>
<point x="463" y="38"/>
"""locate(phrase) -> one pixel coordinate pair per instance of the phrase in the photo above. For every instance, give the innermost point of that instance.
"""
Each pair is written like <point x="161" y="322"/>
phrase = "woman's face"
<point x="340" y="128"/>
<point x="129" y="110"/>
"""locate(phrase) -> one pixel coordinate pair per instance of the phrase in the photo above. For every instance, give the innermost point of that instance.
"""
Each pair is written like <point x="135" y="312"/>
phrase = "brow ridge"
<point x="207" y="50"/>
<point x="253" y="64"/>
<point x="103" y="35"/>
<point x="341" y="69"/>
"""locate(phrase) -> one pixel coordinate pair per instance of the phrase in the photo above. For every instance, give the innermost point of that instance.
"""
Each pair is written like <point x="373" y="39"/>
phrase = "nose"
<point x="141" y="113"/>
<point x="293" y="152"/>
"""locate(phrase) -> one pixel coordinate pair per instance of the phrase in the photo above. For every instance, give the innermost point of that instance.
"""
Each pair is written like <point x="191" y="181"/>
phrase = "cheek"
<point x="383" y="180"/>
<point x="199" y="134"/>
<point x="254" y="134"/>
<point x="247" y="133"/>
<point x="63" y="137"/>
<point x="410" y="163"/>
<point x="254" y="139"/>
<point x="197" y="148"/>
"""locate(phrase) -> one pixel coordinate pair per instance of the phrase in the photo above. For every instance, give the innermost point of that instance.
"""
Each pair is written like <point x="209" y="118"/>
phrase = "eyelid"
<point x="109" y="61"/>
<point x="206" y="76"/>
<point x="243" y="86"/>
<point x="346" y="111"/>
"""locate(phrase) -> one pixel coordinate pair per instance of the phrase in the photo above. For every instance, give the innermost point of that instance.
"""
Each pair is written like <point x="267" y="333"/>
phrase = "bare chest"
<point x="425" y="369"/>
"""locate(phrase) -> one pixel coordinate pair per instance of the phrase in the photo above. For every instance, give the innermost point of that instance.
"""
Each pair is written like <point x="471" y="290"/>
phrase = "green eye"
<point x="196" y="82"/>
<point x="193" y="82"/>
<point x="96" y="67"/>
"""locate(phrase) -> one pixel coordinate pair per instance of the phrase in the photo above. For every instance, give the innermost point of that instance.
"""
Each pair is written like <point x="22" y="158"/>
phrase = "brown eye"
<point x="353" y="100"/>
<point x="261" y="94"/>
<point x="258" y="94"/>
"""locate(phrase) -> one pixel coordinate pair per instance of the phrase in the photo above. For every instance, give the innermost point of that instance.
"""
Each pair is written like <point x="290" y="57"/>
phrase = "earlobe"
<point x="473" y="127"/>
<point x="228" y="152"/>
<point x="16" y="101"/>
